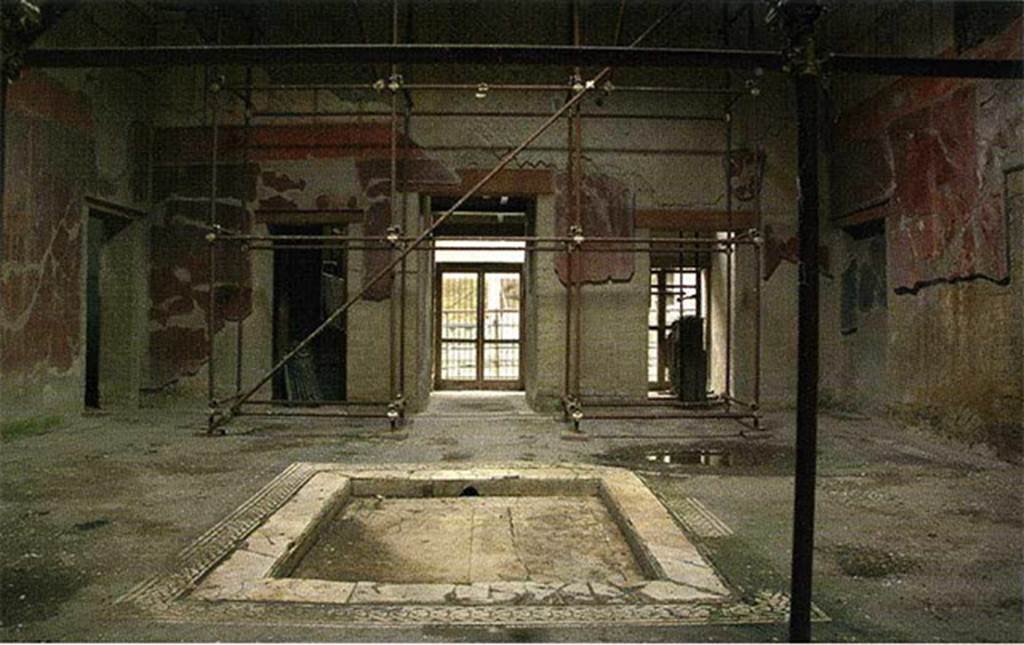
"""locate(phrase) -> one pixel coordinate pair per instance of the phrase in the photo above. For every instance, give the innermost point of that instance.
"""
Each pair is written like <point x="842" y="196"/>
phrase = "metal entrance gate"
<point x="479" y="327"/>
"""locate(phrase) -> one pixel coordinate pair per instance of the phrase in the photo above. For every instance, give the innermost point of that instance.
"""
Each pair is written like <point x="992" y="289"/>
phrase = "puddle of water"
<point x="690" y="457"/>
<point x="738" y="457"/>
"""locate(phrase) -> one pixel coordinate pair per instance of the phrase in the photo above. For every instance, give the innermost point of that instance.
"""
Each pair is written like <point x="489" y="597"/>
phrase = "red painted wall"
<point x="927" y="154"/>
<point x="50" y="162"/>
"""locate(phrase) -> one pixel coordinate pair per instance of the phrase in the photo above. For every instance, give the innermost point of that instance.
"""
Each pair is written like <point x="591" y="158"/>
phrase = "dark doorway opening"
<point x="101" y="227"/>
<point x="309" y="284"/>
<point x="94" y="249"/>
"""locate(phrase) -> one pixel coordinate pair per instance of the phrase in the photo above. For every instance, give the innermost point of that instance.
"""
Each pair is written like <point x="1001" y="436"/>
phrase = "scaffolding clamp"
<point x="217" y="84"/>
<point x="215" y="232"/>
<point x="576" y="233"/>
<point x="753" y="85"/>
<point x="396" y="411"/>
<point x="394" y="237"/>
<point x="576" y="83"/>
<point x="395" y="82"/>
<point x="574" y="412"/>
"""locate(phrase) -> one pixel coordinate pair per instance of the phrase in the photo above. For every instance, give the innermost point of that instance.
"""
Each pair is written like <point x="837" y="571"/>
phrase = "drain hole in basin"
<point x="469" y="491"/>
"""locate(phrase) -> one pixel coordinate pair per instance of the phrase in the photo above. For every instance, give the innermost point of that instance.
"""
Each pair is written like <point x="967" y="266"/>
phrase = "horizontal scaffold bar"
<point x="500" y="54"/>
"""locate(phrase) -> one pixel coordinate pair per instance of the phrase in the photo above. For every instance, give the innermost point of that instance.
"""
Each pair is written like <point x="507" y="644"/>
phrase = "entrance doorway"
<point x="479" y="323"/>
<point x="479" y="293"/>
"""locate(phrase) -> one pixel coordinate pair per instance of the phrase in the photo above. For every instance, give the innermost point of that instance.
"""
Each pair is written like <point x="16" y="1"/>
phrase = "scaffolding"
<point x="574" y="245"/>
<point x="800" y="58"/>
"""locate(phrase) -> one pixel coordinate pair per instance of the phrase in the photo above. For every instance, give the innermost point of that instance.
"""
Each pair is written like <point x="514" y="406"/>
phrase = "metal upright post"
<point x="576" y="259"/>
<point x="570" y="201"/>
<point x="801" y="19"/>
<point x="392" y="314"/>
<point x="757" y="250"/>
<point x="807" y="358"/>
<point x="243" y="190"/>
<point x="392" y="198"/>
<point x="729" y="257"/>
<point x="402" y="274"/>
<point x="3" y="151"/>
<point x="506" y="159"/>
<point x="211" y="305"/>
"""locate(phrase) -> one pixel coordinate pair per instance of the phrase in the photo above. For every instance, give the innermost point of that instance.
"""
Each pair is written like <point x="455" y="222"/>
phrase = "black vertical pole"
<point x="807" y="90"/>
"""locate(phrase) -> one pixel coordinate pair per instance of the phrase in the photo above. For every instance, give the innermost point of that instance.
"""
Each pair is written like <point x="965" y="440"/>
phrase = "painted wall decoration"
<point x="927" y="155"/>
<point x="50" y="165"/>
<point x="306" y="167"/>
<point x="746" y="173"/>
<point x="779" y="248"/>
<point x="606" y="212"/>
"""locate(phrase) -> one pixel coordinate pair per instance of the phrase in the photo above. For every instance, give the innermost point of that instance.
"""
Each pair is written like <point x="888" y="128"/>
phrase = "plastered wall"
<point x="928" y="294"/>
<point x="70" y="136"/>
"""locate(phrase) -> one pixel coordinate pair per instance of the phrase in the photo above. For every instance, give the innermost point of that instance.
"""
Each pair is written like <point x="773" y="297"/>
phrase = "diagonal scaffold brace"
<point x="218" y="417"/>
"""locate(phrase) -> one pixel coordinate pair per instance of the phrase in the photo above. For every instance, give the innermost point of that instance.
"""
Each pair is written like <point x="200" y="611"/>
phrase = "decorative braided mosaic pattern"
<point x="164" y="597"/>
<point x="698" y="520"/>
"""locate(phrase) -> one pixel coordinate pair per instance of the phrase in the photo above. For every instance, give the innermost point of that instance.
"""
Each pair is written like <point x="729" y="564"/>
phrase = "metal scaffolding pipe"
<point x="423" y="236"/>
<point x="576" y="259"/>
<point x="505" y="160"/>
<point x="728" y="257"/>
<point x="403" y="277"/>
<point x="695" y="152"/>
<point x="656" y="403"/>
<point x="653" y="241"/>
<point x="925" y="67"/>
<point x="3" y="155"/>
<point x="570" y="184"/>
<point x="246" y="223"/>
<point x="674" y="415"/>
<point x="414" y="53"/>
<point x="424" y="249"/>
<point x="392" y="198"/>
<point x="332" y="402"/>
<point x="492" y="87"/>
<point x="295" y="114"/>
<point x="498" y="54"/>
<point x="212" y="258"/>
<point x="290" y="413"/>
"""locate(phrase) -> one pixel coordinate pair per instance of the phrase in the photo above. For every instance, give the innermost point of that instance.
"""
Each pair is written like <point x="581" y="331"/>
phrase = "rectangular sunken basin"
<point x="429" y="535"/>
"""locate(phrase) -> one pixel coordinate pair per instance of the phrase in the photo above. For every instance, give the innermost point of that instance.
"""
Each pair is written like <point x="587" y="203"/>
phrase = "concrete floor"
<point x="918" y="538"/>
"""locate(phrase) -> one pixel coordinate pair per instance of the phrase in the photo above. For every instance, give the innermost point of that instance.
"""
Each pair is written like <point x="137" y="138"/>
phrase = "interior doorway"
<point x="115" y="292"/>
<point x="309" y="284"/>
<point x="677" y="296"/>
<point x="96" y="235"/>
<point x="479" y="293"/>
<point x="479" y="323"/>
